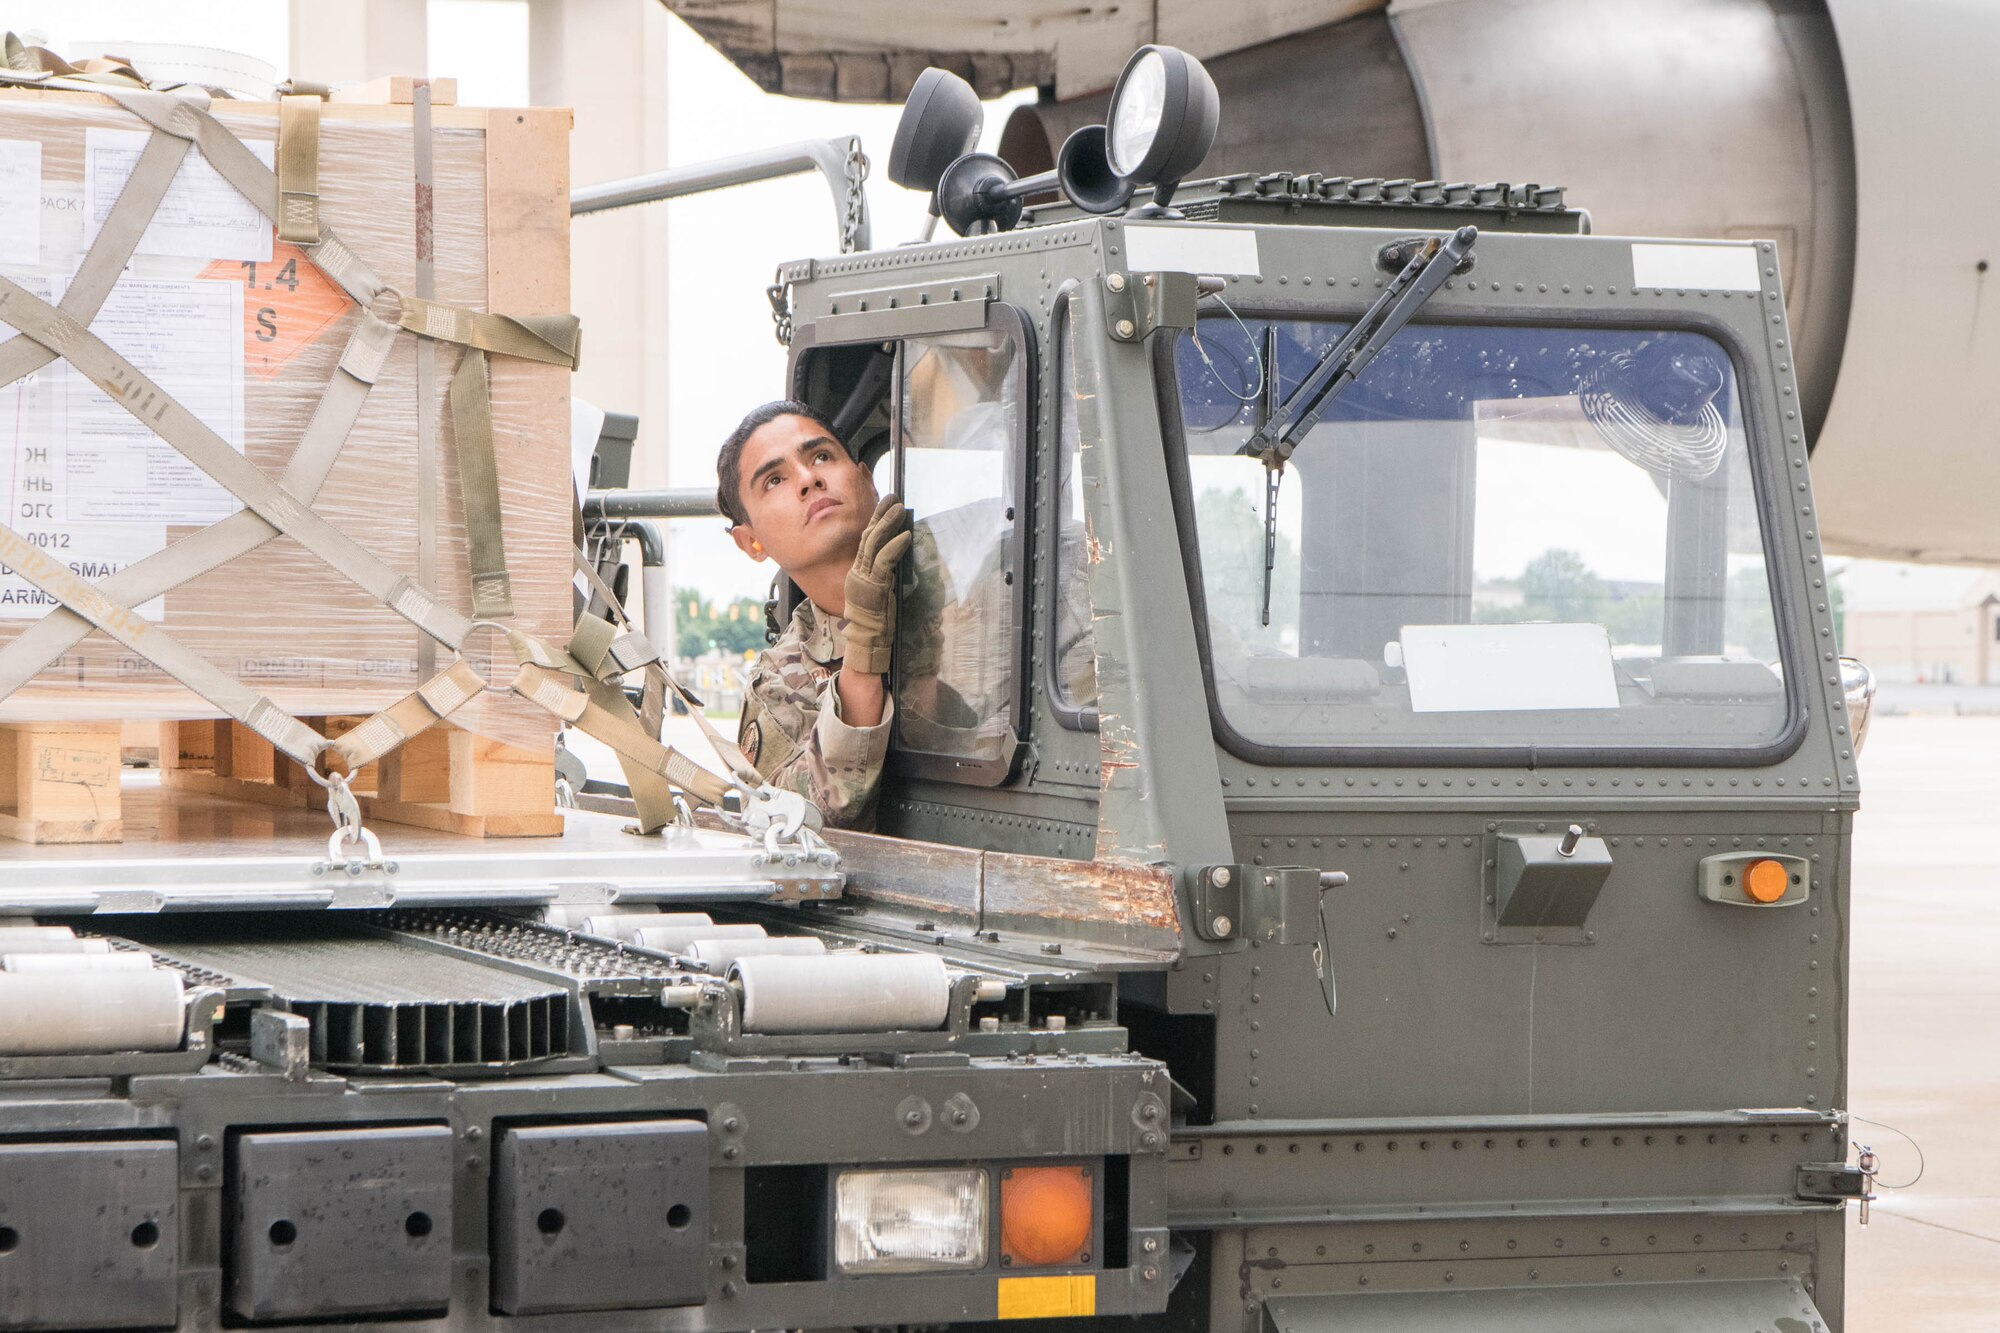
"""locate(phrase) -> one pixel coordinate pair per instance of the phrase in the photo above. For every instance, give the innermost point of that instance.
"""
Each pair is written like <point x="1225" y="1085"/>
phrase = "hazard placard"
<point x="287" y="304"/>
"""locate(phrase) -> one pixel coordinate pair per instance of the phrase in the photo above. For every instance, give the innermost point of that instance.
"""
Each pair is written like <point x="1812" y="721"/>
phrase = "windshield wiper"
<point x="1284" y="425"/>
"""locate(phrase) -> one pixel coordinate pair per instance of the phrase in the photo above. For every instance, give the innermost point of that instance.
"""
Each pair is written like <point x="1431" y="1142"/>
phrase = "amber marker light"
<point x="1765" y="881"/>
<point x="1045" y="1216"/>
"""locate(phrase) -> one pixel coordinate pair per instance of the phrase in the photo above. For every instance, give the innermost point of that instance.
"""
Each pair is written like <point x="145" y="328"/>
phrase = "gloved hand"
<point x="871" y="589"/>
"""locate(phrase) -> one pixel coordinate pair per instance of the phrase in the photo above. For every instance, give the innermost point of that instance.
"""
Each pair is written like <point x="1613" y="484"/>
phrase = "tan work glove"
<point x="871" y="589"/>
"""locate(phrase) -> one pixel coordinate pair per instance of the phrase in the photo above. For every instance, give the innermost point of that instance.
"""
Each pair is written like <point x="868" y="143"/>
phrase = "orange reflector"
<point x="1045" y="1216"/>
<point x="1765" y="881"/>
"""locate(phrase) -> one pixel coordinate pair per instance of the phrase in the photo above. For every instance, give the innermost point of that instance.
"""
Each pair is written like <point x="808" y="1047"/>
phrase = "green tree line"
<point x="731" y="627"/>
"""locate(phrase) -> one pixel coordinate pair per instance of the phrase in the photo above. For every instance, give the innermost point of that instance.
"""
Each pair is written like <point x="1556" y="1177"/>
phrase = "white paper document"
<point x="1507" y="668"/>
<point x="93" y="552"/>
<point x="70" y="455"/>
<point x="202" y="216"/>
<point x="62" y="224"/>
<point x="186" y="335"/>
<point x="20" y="202"/>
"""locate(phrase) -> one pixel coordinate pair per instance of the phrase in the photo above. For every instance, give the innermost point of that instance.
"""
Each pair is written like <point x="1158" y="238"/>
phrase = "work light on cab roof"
<point x="1164" y="113"/>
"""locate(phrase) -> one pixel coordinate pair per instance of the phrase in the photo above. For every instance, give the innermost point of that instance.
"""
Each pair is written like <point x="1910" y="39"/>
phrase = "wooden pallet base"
<point x="444" y="779"/>
<point x="59" y="782"/>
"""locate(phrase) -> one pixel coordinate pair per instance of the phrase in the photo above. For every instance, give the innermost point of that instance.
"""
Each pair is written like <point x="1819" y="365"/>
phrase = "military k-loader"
<point x="1368" y="850"/>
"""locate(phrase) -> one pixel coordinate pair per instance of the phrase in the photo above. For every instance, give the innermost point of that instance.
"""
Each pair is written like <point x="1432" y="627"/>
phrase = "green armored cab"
<point x="1459" y="635"/>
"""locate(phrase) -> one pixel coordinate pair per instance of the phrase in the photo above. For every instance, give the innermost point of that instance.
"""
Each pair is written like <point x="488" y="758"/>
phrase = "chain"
<point x="853" y="217"/>
<point x="781" y="310"/>
<point x="857" y="203"/>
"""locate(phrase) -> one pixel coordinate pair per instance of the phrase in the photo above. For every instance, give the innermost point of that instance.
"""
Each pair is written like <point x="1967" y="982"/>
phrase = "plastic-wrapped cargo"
<point x="246" y="332"/>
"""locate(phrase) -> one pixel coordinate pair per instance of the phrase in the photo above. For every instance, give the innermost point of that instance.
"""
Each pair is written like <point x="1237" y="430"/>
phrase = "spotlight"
<point x="1164" y="113"/>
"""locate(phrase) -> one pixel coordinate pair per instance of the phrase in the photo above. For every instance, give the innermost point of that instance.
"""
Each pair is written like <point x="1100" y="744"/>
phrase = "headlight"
<point x="1135" y="116"/>
<point x="1164" y="114"/>
<point x="909" y="1221"/>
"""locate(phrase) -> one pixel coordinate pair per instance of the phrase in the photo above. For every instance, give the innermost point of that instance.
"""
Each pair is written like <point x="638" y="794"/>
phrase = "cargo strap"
<point x="298" y="168"/>
<point x="430" y="703"/>
<point x="479" y="488"/>
<point x="553" y="339"/>
<point x="423" y="218"/>
<point x="37" y="64"/>
<point x="42" y="643"/>
<point x="584" y="691"/>
<point x="109" y="253"/>
<point x="194" y="440"/>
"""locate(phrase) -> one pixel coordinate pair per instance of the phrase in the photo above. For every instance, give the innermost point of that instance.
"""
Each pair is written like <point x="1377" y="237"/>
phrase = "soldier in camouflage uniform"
<point x="817" y="714"/>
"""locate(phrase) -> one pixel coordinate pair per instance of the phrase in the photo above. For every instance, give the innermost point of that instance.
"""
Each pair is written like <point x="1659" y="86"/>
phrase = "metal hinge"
<point x="1273" y="904"/>
<point x="1831" y="1182"/>
<point x="1137" y="304"/>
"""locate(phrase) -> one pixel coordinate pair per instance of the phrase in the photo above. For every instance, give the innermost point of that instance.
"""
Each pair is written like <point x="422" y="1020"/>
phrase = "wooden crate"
<point x="502" y="239"/>
<point x="499" y="233"/>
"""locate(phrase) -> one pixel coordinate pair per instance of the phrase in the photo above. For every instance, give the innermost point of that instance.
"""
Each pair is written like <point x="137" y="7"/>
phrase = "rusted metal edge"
<point x="1126" y="905"/>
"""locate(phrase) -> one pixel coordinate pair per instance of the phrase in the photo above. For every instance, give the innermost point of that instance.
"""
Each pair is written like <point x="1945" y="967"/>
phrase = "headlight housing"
<point x="1164" y="114"/>
<point x="1135" y="115"/>
<point x="910" y="1221"/>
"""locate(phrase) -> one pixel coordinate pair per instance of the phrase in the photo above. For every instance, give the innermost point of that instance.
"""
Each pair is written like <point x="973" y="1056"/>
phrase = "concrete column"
<point x="607" y="59"/>
<point x="352" y="41"/>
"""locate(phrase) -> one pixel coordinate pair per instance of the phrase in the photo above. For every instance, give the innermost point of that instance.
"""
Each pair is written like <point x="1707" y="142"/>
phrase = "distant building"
<point x="1926" y="634"/>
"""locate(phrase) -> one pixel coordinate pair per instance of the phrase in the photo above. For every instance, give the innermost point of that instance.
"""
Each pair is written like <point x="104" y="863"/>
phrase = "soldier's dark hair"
<point x="728" y="463"/>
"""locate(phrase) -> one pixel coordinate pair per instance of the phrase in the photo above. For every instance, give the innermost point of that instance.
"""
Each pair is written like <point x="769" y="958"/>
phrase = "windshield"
<point x="1499" y="535"/>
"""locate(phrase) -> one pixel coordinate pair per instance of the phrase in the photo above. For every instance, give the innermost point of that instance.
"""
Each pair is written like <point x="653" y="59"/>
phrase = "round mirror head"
<point x="940" y="122"/>
<point x="1164" y="113"/>
<point x="1084" y="170"/>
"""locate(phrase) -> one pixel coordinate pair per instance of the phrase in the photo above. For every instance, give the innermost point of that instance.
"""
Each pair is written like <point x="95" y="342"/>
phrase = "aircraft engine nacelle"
<point x="1857" y="136"/>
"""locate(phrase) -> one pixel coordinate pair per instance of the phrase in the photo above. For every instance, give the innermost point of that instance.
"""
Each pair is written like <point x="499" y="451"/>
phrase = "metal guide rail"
<point x="554" y="1119"/>
<point x="468" y="992"/>
<point x="194" y="852"/>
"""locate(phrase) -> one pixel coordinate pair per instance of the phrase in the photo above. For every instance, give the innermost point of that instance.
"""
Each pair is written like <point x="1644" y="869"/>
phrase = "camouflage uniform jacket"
<point x="792" y="729"/>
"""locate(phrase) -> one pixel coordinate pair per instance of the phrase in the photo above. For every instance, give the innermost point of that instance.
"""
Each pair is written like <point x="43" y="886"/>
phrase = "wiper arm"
<point x="1282" y="427"/>
<point x="1399" y="302"/>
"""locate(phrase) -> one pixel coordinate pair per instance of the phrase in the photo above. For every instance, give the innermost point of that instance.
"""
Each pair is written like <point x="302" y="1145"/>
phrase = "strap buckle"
<point x="788" y="822"/>
<point x="505" y="632"/>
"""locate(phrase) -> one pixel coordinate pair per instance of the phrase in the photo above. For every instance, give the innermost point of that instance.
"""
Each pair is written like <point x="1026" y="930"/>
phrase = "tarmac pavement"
<point x="1924" y="1025"/>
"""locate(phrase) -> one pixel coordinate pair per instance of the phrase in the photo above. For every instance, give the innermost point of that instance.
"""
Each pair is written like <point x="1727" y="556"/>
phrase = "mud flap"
<point x="1766" y="1305"/>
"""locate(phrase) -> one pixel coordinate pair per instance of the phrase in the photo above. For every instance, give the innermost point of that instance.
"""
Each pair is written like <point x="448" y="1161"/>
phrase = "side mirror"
<point x="940" y="123"/>
<point x="1857" y="683"/>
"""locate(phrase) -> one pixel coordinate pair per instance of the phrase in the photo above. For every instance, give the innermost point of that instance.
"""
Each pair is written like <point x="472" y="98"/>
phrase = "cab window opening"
<point x="850" y="384"/>
<point x="959" y="462"/>
<point x="1502" y="537"/>
<point x="1071" y="658"/>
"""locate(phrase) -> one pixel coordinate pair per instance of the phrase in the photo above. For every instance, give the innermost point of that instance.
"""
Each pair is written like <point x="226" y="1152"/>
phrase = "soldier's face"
<point x="805" y="500"/>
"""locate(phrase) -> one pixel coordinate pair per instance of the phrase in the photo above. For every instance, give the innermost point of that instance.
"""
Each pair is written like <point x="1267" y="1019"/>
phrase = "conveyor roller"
<point x="843" y="992"/>
<point x="89" y="1013"/>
